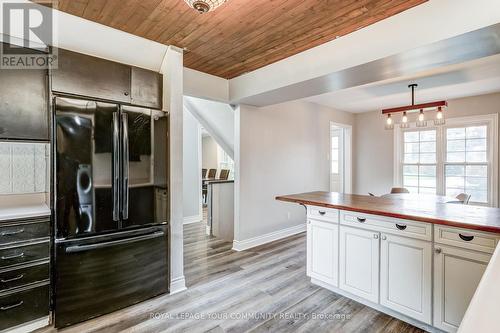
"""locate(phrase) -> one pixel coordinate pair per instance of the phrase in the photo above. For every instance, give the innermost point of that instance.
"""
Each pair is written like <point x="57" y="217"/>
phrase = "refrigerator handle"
<point x="116" y="167"/>
<point x="126" y="151"/>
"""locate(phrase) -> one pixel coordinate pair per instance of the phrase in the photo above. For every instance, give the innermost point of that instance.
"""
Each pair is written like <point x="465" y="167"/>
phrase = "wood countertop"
<point x="456" y="215"/>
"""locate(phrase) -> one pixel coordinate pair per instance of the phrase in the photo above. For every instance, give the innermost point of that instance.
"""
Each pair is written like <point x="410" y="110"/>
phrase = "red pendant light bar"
<point x="415" y="107"/>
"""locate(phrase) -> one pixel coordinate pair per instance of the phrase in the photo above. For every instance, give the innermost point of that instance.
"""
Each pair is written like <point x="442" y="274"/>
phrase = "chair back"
<point x="224" y="174"/>
<point x="212" y="173"/>
<point x="463" y="198"/>
<point x="399" y="190"/>
<point x="204" y="173"/>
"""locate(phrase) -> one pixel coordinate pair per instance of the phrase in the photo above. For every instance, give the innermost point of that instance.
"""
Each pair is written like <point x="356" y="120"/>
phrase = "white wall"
<point x="191" y="174"/>
<point x="279" y="149"/>
<point x="373" y="146"/>
<point x="209" y="153"/>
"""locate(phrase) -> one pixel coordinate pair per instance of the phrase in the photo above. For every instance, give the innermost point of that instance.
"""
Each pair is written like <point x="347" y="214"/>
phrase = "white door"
<point x="359" y="262"/>
<point x="337" y="159"/>
<point x="322" y="251"/>
<point x="406" y="276"/>
<point x="457" y="274"/>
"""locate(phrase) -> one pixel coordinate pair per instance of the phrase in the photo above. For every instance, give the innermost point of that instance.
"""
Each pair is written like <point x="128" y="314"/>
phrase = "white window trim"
<point x="347" y="158"/>
<point x="490" y="119"/>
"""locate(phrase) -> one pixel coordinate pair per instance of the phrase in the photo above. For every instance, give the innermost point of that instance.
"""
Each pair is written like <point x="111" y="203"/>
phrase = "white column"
<point x="172" y="70"/>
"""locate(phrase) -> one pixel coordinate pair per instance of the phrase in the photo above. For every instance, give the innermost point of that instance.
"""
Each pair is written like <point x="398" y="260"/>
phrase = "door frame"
<point x="347" y="158"/>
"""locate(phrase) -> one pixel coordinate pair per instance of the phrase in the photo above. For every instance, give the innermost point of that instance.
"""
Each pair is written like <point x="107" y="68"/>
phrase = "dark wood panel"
<point x="18" y="277"/>
<point x="23" y="306"/>
<point x="241" y="35"/>
<point x="12" y="233"/>
<point x="463" y="216"/>
<point x="17" y="255"/>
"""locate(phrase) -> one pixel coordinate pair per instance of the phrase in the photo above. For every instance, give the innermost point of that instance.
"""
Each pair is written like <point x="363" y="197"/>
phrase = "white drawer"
<point x="466" y="238"/>
<point x="322" y="213"/>
<point x="404" y="228"/>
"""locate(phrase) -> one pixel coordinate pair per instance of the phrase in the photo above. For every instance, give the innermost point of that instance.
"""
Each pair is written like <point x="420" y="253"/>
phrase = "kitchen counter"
<point x="21" y="212"/>
<point x="463" y="216"/>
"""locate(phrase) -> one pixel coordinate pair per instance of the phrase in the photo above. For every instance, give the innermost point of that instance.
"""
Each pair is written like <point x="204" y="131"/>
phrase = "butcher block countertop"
<point x="456" y="215"/>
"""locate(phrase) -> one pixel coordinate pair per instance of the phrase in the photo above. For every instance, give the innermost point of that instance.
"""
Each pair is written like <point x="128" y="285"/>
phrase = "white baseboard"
<point x="177" y="285"/>
<point x="192" y="219"/>
<point x="267" y="238"/>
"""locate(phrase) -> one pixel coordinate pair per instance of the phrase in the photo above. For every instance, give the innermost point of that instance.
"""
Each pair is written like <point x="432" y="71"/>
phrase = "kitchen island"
<point x="420" y="261"/>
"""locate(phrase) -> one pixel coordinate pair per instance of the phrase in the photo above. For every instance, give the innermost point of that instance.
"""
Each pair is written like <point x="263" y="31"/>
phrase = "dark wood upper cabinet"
<point x="23" y="104"/>
<point x="146" y="88"/>
<point x="83" y="75"/>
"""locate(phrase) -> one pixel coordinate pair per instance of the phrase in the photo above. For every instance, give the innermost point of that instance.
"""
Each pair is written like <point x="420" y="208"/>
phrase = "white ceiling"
<point x="467" y="79"/>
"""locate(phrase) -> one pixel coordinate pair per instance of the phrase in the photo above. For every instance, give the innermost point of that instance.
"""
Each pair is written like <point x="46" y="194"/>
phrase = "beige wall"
<point x="280" y="149"/>
<point x="209" y="153"/>
<point x="373" y="146"/>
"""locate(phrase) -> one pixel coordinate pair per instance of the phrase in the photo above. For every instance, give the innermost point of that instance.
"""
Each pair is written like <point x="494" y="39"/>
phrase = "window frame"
<point x="490" y="120"/>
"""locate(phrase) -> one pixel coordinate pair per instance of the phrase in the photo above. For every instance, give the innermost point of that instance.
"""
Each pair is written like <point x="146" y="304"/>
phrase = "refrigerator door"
<point x="87" y="167"/>
<point x="101" y="274"/>
<point x="144" y="174"/>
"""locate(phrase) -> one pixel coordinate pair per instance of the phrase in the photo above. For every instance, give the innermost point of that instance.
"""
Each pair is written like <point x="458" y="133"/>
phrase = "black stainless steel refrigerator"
<point x="111" y="207"/>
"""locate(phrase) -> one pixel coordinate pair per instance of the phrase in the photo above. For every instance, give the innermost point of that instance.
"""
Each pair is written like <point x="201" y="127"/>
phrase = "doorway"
<point x="340" y="158"/>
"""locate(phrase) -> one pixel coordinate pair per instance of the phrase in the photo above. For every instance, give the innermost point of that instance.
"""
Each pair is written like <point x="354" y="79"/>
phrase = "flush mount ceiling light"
<point x="421" y="108"/>
<point x="204" y="6"/>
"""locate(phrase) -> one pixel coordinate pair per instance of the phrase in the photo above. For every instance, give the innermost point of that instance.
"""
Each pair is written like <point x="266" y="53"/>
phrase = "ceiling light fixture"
<point x="414" y="107"/>
<point x="204" y="6"/>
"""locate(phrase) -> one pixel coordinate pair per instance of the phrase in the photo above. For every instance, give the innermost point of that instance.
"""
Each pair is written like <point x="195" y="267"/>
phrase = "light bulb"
<point x="439" y="114"/>
<point x="421" y="115"/>
<point x="405" y="118"/>
<point x="389" y="119"/>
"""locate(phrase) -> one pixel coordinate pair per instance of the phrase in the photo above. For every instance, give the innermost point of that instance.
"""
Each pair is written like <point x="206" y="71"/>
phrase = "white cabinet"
<point x="322" y="251"/>
<point x="406" y="276"/>
<point x="457" y="273"/>
<point x="359" y="262"/>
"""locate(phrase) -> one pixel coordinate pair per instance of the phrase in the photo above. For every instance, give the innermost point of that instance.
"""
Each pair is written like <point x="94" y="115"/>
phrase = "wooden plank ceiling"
<point x="241" y="35"/>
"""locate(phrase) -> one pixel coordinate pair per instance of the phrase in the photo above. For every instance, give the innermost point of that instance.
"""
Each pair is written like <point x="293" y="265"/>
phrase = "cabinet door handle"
<point x="384" y="237"/>
<point x="437" y="250"/>
<point x="19" y="277"/>
<point x="401" y="226"/>
<point x="321" y="212"/>
<point x="466" y="238"/>
<point x="12" y="256"/>
<point x="375" y="236"/>
<point x="361" y="220"/>
<point x="8" y="307"/>
<point x="11" y="233"/>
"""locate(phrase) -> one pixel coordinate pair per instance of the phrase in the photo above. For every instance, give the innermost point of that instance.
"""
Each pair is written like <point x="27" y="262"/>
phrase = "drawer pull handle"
<point x="11" y="233"/>
<point x="466" y="238"/>
<point x="8" y="307"/>
<point x="321" y="212"/>
<point x="20" y="255"/>
<point x="361" y="219"/>
<point x="19" y="277"/>
<point x="401" y="226"/>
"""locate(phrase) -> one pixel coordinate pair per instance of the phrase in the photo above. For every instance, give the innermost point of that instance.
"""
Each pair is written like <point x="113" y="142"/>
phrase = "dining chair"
<point x="464" y="198"/>
<point x="224" y="174"/>
<point x="212" y="173"/>
<point x="395" y="190"/>
<point x="204" y="173"/>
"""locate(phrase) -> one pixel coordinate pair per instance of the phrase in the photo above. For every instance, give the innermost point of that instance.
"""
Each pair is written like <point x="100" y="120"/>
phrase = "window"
<point x="460" y="157"/>
<point x="225" y="161"/>
<point x="419" y="161"/>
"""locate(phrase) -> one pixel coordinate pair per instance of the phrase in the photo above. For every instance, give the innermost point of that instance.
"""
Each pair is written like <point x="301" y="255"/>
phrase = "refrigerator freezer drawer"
<point x="98" y="278"/>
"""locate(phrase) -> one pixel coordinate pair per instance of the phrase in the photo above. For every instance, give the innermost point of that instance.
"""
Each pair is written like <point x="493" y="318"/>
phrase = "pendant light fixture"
<point x="204" y="6"/>
<point x="421" y="108"/>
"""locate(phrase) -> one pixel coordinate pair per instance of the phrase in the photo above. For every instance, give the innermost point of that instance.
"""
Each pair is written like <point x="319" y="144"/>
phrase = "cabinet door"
<point x="406" y="276"/>
<point x="23" y="104"/>
<point x="457" y="274"/>
<point x="322" y="251"/>
<point x="359" y="262"/>
<point x="83" y="75"/>
<point x="146" y="88"/>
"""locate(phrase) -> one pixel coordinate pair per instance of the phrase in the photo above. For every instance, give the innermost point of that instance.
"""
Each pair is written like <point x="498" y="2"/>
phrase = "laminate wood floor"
<point x="267" y="284"/>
